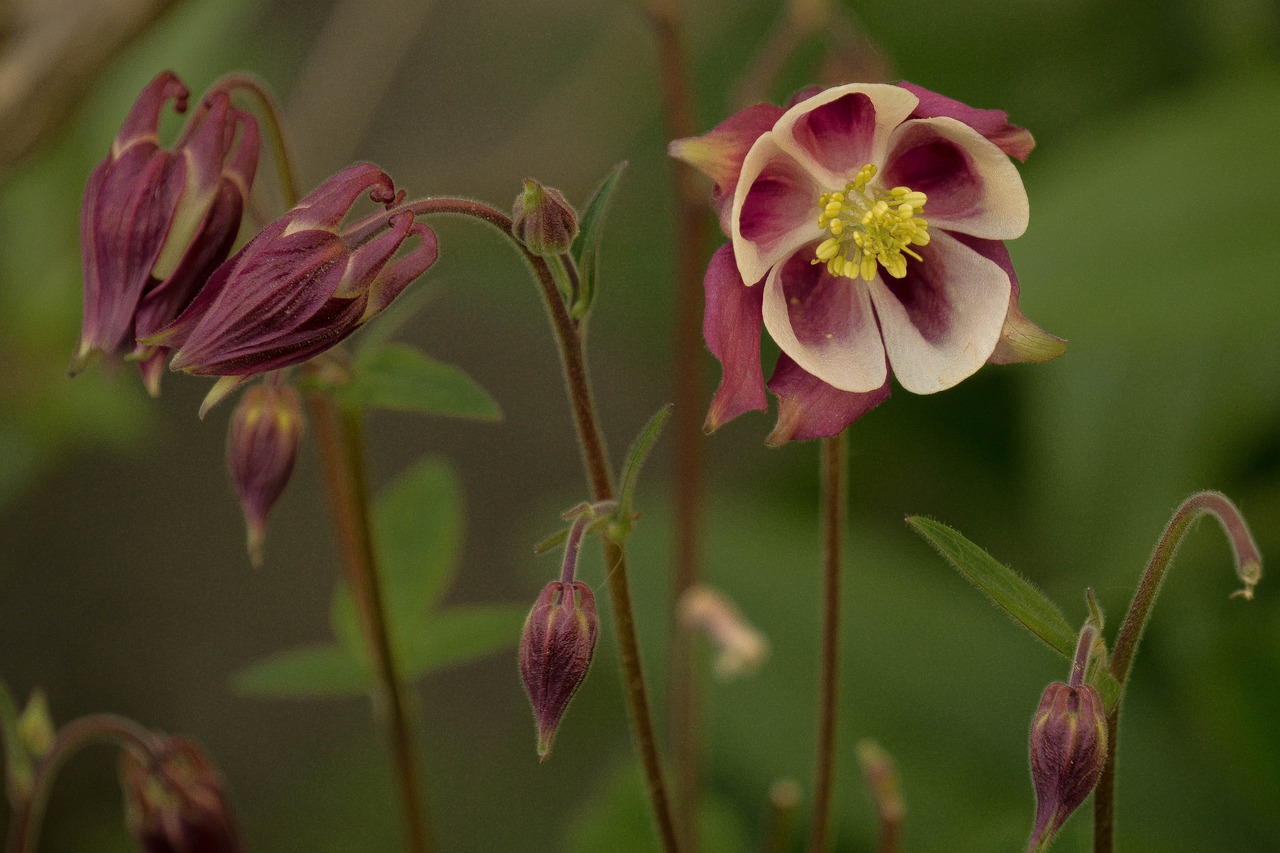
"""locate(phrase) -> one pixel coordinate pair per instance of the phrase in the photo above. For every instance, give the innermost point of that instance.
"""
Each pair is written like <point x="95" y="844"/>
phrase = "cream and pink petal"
<point x="775" y="209"/>
<point x="826" y="324"/>
<point x="837" y="132"/>
<point x="993" y="124"/>
<point x="810" y="408"/>
<point x="719" y="153"/>
<point x="972" y="186"/>
<point x="731" y="326"/>
<point x="942" y="321"/>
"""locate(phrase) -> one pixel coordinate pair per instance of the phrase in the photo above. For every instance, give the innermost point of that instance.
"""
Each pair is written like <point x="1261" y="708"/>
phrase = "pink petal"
<point x="838" y="131"/>
<point x="719" y="153"/>
<point x="993" y="124"/>
<point x="810" y="408"/>
<point x="731" y="326"/>
<point x="941" y="323"/>
<point x="396" y="277"/>
<point x="328" y="203"/>
<point x="972" y="186"/>
<point x="826" y="324"/>
<point x="775" y="209"/>
<point x="143" y="122"/>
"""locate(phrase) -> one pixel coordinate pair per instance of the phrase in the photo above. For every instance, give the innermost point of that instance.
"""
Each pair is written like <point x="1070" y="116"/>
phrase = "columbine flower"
<point x="157" y="221"/>
<point x="262" y="446"/>
<point x="1068" y="753"/>
<point x="174" y="801"/>
<point x="300" y="286"/>
<point x="866" y="224"/>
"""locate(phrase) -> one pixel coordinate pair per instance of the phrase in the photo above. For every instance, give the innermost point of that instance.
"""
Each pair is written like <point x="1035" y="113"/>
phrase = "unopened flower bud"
<point x="174" y="802"/>
<point x="262" y="445"/>
<point x="555" y="651"/>
<point x="35" y="726"/>
<point x="543" y="220"/>
<point x="1068" y="753"/>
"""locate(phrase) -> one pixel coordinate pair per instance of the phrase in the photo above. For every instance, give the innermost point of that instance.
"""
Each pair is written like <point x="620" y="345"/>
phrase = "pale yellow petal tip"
<point x="1021" y="340"/>
<point x="255" y="542"/>
<point x="1250" y="573"/>
<point x="86" y="355"/>
<point x="220" y="391"/>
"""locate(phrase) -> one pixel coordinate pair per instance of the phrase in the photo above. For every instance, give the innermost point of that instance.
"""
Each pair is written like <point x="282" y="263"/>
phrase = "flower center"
<point x="869" y="227"/>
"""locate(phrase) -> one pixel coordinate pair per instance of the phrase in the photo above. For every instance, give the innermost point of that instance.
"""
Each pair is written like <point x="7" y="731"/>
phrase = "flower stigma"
<point x="870" y="227"/>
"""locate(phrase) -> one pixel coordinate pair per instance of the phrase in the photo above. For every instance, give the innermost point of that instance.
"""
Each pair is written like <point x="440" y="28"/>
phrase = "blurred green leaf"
<point x="1009" y="590"/>
<point x="586" y="247"/>
<point x="635" y="461"/>
<point x="400" y="378"/>
<point x="307" y="672"/>
<point x="459" y="635"/>
<point x="417" y="527"/>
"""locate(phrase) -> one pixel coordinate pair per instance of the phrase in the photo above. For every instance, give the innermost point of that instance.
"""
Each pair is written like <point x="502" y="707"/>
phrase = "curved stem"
<point x="24" y="828"/>
<point x="338" y="439"/>
<point x="600" y="479"/>
<point x="1248" y="568"/>
<point x="256" y="89"/>
<point x="691" y="235"/>
<point x="834" y="512"/>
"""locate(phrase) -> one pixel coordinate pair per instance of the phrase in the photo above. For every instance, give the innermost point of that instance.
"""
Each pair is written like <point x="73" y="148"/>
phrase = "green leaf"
<point x="586" y="246"/>
<point x="459" y="635"/>
<point x="635" y="460"/>
<point x="417" y="527"/>
<point x="400" y="378"/>
<point x="1019" y="598"/>
<point x="306" y="672"/>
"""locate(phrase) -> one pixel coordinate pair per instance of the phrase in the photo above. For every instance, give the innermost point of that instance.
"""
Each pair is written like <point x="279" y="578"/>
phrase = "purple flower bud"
<point x="174" y="801"/>
<point x="555" y="652"/>
<point x="157" y="221"/>
<point x="262" y="444"/>
<point x="303" y="284"/>
<point x="1068" y="752"/>
<point x="543" y="220"/>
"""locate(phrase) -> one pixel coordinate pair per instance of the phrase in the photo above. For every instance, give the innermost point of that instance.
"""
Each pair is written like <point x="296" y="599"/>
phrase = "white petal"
<point x="772" y="235"/>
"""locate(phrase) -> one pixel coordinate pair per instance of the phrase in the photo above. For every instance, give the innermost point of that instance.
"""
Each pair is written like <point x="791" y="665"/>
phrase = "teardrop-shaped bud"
<point x="544" y="220"/>
<point x="555" y="652"/>
<point x="1068" y="752"/>
<point x="262" y="445"/>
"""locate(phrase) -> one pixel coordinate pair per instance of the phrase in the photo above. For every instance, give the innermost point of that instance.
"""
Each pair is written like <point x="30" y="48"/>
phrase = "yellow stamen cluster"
<point x="872" y="227"/>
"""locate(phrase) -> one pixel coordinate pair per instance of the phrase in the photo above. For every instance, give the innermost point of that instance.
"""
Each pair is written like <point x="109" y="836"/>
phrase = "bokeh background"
<point x="1153" y="249"/>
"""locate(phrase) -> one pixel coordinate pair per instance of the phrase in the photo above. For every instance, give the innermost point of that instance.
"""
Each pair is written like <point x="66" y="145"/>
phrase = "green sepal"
<point x="636" y="456"/>
<point x="586" y="246"/>
<point x="19" y="766"/>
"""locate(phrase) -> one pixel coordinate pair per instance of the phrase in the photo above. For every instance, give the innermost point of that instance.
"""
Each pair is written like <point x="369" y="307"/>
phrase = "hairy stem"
<point x="1248" y="568"/>
<point x="600" y="480"/>
<point x="834" y="512"/>
<point x="338" y="439"/>
<point x="691" y="235"/>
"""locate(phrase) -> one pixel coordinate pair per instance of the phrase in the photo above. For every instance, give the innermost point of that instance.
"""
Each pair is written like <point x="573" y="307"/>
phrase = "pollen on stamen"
<point x="870" y="228"/>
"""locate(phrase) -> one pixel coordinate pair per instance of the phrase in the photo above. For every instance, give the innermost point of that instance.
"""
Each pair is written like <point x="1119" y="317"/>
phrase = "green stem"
<point x="28" y="813"/>
<point x="338" y="439"/>
<point x="834" y="513"/>
<point x="1248" y="568"/>
<point x="600" y="480"/>
<point x="691" y="235"/>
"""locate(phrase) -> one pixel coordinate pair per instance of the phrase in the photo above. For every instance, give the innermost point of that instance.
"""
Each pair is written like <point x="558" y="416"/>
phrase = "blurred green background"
<point x="1155" y="193"/>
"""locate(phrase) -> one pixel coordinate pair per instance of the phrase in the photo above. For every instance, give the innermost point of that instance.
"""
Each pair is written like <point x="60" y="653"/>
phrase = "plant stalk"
<point x="834" y="514"/>
<point x="338" y="439"/>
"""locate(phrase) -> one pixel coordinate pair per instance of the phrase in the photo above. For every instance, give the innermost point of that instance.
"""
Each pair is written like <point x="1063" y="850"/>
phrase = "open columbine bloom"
<point x="866" y="226"/>
<point x="302" y="285"/>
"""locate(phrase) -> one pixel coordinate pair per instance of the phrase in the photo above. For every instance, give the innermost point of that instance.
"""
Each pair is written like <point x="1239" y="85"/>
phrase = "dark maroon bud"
<point x="543" y="220"/>
<point x="555" y="652"/>
<point x="157" y="221"/>
<point x="174" y="800"/>
<point x="262" y="445"/>
<point x="1068" y="752"/>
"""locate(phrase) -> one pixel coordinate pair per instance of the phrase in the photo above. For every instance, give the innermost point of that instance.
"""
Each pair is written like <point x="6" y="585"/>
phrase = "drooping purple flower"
<point x="262" y="446"/>
<point x="174" y="800"/>
<point x="302" y="285"/>
<point x="157" y="221"/>
<point x="866" y="226"/>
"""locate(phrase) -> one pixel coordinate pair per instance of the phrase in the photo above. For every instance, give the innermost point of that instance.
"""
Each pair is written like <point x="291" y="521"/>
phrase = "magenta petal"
<point x="810" y="408"/>
<point x="326" y="206"/>
<point x="143" y="121"/>
<point x="993" y="124"/>
<point x="719" y="153"/>
<point x="782" y="197"/>
<point x="396" y="277"/>
<point x="731" y="326"/>
<point x="839" y="133"/>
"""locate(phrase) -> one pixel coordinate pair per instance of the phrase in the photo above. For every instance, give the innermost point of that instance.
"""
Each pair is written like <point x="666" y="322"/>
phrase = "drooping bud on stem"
<point x="558" y="641"/>
<point x="543" y="220"/>
<point x="262" y="445"/>
<point x="174" y="802"/>
<point x="1068" y="747"/>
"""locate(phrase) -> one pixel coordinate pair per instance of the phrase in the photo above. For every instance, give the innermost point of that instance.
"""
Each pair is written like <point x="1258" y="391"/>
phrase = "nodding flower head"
<point x="174" y="800"/>
<point x="302" y="285"/>
<point x="157" y="221"/>
<point x="866" y="226"/>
